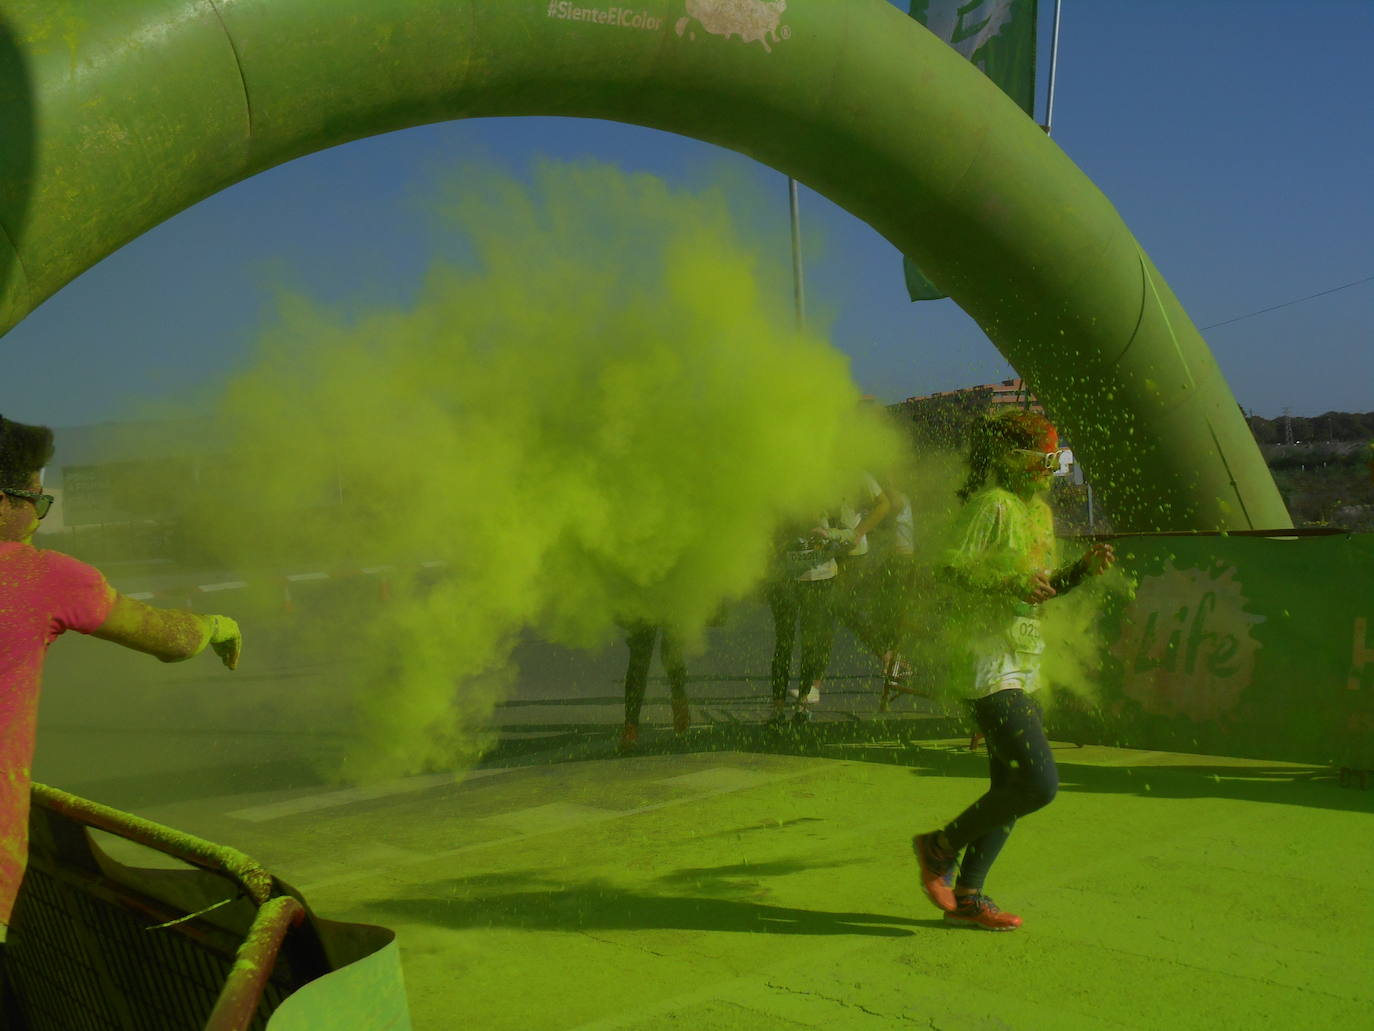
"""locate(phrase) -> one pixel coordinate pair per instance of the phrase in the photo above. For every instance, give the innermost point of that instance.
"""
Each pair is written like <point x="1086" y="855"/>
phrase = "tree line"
<point x="1314" y="429"/>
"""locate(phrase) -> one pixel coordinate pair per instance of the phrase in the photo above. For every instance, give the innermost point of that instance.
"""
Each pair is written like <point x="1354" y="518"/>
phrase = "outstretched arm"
<point x="171" y="635"/>
<point x="1035" y="588"/>
<point x="1095" y="560"/>
<point x="882" y="505"/>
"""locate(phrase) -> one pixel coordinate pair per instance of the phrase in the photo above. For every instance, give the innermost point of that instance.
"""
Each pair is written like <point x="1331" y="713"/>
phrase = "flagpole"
<point x="798" y="279"/>
<point x="1049" y="129"/>
<point x="1054" y="64"/>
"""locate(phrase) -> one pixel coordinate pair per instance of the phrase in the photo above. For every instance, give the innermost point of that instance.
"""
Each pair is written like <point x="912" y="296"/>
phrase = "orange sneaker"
<point x="979" y="911"/>
<point x="937" y="870"/>
<point x="682" y="717"/>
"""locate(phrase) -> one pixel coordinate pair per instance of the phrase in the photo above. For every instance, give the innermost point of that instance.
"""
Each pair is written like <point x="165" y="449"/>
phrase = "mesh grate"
<point x="85" y="962"/>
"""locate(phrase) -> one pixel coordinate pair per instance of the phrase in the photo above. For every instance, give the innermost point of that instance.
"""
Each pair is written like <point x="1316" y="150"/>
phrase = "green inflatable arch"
<point x="118" y="114"/>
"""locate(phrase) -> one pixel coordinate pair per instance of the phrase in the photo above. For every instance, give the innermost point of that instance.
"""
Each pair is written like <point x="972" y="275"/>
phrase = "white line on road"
<point x="228" y="585"/>
<point x="733" y="779"/>
<point x="347" y="796"/>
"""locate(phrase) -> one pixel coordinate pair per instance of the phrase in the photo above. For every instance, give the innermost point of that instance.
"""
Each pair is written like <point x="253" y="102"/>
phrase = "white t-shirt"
<point x="801" y="554"/>
<point x="903" y="526"/>
<point x="1065" y="463"/>
<point x="826" y="570"/>
<point x="850" y="517"/>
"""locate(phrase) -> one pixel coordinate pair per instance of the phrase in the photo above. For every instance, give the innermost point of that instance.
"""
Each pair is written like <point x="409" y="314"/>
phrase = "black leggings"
<point x="807" y="603"/>
<point x="1023" y="775"/>
<point x="640" y="639"/>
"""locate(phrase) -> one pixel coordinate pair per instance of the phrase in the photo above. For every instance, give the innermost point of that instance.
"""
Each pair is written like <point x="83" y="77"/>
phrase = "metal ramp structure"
<point x="215" y="944"/>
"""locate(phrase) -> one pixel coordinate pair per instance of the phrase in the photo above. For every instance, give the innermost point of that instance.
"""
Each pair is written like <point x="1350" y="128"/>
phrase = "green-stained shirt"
<point x="1000" y="537"/>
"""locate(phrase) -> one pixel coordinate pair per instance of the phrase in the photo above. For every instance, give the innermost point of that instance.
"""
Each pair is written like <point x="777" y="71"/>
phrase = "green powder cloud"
<point x="603" y="413"/>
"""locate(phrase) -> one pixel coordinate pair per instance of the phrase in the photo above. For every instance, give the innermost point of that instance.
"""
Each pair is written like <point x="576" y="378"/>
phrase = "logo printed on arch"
<point x="612" y="17"/>
<point x="753" y="21"/>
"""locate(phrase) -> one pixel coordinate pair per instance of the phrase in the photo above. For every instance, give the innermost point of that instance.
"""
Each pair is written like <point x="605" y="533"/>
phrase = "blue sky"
<point x="1234" y="136"/>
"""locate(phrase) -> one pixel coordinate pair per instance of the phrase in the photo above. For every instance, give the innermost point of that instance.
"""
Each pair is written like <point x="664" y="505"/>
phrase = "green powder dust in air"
<point x="602" y="413"/>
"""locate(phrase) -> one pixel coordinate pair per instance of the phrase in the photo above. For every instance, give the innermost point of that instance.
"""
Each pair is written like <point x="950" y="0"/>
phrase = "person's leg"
<point x="982" y="851"/>
<point x="817" y="634"/>
<point x="1024" y="779"/>
<point x="893" y="598"/>
<point x="846" y="606"/>
<point x="639" y="638"/>
<point x="783" y="604"/>
<point x="861" y="603"/>
<point x="675" y="666"/>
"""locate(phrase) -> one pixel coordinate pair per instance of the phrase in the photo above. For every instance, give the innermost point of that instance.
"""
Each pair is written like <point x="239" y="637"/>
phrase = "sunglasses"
<point x="41" y="502"/>
<point x="1048" y="459"/>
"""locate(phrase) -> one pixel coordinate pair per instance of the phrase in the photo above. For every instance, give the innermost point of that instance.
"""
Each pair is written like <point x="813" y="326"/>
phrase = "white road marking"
<point x="228" y="585"/>
<point x="553" y="816"/>
<point x="347" y="796"/>
<point x="586" y="816"/>
<point x="719" y="778"/>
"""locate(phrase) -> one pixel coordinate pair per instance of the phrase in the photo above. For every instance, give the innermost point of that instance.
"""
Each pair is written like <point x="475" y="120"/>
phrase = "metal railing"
<point x="96" y="945"/>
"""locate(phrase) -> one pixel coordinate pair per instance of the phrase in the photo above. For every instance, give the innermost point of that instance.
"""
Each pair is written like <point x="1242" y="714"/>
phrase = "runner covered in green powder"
<point x="1003" y="567"/>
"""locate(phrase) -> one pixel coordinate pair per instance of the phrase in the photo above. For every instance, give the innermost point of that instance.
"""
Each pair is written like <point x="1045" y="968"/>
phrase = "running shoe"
<point x="981" y="913"/>
<point x="813" y="696"/>
<point x="629" y="739"/>
<point x="937" y="870"/>
<point x="778" y="721"/>
<point x="682" y="717"/>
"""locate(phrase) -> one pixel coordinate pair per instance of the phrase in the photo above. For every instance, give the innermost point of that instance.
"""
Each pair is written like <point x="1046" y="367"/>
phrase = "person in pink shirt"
<point x="43" y="594"/>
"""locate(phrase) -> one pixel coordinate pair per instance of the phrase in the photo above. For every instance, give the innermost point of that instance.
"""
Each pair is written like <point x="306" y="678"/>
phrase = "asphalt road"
<point x="738" y="880"/>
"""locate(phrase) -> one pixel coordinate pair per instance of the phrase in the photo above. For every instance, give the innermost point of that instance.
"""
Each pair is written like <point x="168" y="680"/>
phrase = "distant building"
<point x="1008" y="392"/>
<point x="120" y="473"/>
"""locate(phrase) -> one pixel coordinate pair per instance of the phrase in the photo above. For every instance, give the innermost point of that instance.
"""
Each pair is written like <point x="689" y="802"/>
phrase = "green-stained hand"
<point x="226" y="639"/>
<point x="1098" y="558"/>
<point x="1037" y="587"/>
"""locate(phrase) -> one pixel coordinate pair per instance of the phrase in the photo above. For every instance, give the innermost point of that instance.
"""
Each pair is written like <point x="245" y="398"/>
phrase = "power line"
<point x="1285" y="304"/>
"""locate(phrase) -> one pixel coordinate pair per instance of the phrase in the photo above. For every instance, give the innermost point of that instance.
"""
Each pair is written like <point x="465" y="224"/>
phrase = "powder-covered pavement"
<point x="736" y="880"/>
<point x="736" y="889"/>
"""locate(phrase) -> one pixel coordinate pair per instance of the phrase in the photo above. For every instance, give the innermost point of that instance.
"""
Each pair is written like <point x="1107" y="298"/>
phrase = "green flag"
<point x="998" y="36"/>
<point x="918" y="287"/>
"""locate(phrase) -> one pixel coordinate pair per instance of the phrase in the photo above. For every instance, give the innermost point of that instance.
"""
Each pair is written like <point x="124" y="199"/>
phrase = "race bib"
<point x="1025" y="636"/>
<point x="798" y="563"/>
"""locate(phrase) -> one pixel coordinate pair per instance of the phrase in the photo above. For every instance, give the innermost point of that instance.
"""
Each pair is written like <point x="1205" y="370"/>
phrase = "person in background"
<point x="891" y="597"/>
<point x="856" y="578"/>
<point x="43" y="594"/>
<point x="640" y="639"/>
<point x="1005" y="568"/>
<point x="799" y="597"/>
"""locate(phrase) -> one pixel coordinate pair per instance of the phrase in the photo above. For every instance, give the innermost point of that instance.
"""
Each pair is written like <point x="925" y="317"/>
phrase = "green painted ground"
<point x="745" y="890"/>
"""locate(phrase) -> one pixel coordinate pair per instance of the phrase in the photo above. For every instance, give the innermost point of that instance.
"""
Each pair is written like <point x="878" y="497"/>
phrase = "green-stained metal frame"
<point x="92" y="935"/>
<point x="118" y="114"/>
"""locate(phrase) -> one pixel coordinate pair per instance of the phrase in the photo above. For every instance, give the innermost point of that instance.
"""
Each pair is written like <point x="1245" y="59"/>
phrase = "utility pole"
<point x="798" y="277"/>
<point x="1054" y="65"/>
